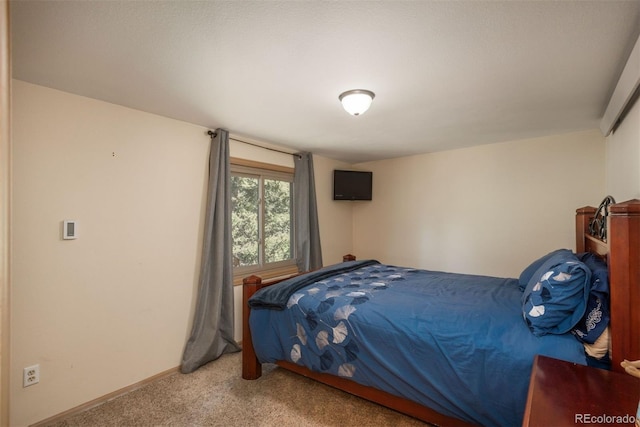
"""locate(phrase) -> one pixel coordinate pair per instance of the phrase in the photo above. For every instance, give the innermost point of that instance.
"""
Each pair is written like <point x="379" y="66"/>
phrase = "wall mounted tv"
<point x="352" y="185"/>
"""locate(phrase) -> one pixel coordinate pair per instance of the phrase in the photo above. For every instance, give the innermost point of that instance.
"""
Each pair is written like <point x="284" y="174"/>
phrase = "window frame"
<point x="242" y="167"/>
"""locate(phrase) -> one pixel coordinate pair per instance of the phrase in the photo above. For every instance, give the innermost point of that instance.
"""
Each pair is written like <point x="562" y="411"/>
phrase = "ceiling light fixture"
<point x="356" y="101"/>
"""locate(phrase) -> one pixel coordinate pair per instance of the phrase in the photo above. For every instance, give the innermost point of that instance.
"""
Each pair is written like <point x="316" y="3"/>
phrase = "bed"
<point x="449" y="349"/>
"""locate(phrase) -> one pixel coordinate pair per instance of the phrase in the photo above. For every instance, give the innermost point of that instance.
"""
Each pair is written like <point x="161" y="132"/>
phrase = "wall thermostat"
<point x="69" y="229"/>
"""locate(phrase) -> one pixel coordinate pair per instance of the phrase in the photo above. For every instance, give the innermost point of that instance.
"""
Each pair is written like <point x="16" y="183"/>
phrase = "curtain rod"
<point x="213" y="134"/>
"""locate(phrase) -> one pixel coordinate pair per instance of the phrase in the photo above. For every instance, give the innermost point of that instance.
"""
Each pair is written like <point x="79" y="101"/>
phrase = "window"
<point x="262" y="220"/>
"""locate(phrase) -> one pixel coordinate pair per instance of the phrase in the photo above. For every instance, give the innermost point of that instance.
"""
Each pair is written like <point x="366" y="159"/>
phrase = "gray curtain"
<point x="307" y="231"/>
<point x="212" y="331"/>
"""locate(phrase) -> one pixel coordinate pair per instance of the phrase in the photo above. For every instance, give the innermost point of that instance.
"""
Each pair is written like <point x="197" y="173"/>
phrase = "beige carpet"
<point x="216" y="395"/>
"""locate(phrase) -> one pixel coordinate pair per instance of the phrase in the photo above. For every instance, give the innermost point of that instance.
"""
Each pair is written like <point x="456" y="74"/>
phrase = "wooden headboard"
<point x="620" y="245"/>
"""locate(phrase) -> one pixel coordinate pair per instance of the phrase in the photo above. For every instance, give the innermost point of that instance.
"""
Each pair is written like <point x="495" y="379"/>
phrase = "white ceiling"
<point x="447" y="74"/>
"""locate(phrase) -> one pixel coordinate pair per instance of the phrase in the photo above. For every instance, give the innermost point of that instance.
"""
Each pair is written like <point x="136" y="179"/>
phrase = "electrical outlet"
<point x="31" y="375"/>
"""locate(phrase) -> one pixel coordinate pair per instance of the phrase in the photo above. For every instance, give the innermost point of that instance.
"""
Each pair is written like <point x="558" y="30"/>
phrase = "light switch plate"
<point x="69" y="229"/>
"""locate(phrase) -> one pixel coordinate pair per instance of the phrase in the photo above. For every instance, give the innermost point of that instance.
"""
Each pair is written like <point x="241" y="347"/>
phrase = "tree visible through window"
<point x="262" y="218"/>
<point x="277" y="220"/>
<point x="245" y="219"/>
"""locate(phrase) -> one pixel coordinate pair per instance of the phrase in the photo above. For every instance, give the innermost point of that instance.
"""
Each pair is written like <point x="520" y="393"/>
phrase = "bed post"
<point x="583" y="216"/>
<point x="624" y="275"/>
<point x="251" y="367"/>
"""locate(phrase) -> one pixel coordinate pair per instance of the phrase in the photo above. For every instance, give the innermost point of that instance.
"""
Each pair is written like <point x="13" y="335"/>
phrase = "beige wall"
<point x="5" y="176"/>
<point x="113" y="307"/>
<point x="334" y="216"/>
<point x="623" y="157"/>
<point x="484" y="210"/>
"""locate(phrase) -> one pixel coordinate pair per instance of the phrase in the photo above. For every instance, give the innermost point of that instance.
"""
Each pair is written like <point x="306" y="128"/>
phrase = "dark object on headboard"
<point x="598" y="224"/>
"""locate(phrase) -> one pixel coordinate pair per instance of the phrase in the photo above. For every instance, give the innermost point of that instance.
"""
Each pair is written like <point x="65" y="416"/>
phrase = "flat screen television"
<point x="352" y="185"/>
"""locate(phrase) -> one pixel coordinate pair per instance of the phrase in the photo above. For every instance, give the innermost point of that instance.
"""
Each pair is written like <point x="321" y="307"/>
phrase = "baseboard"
<point x="100" y="400"/>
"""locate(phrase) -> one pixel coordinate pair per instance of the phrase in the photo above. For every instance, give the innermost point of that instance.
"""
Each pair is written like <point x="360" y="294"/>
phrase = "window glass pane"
<point x="277" y="220"/>
<point x="244" y="220"/>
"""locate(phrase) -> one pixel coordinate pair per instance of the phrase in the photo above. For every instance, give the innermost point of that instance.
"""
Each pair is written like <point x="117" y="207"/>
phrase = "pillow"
<point x="597" y="313"/>
<point x="528" y="272"/>
<point x="555" y="298"/>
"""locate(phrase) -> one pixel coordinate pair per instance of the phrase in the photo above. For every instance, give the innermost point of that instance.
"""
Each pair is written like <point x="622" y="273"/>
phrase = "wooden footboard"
<point x="251" y="367"/>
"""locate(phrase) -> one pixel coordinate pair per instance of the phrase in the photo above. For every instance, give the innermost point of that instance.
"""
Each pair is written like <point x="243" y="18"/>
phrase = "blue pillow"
<point x="597" y="314"/>
<point x="528" y="272"/>
<point x="555" y="298"/>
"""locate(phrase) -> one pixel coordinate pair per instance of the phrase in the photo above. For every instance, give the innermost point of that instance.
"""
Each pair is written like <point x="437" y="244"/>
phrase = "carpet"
<point x="216" y="395"/>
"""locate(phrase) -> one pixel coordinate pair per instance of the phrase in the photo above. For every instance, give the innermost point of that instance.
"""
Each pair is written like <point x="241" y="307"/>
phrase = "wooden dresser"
<point x="566" y="394"/>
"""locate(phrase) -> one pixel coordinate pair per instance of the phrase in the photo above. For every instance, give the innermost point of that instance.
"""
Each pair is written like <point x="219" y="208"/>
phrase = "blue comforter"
<point x="455" y="343"/>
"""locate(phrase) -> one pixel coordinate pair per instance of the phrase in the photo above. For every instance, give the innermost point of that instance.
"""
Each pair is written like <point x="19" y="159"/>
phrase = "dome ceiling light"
<point x="356" y="101"/>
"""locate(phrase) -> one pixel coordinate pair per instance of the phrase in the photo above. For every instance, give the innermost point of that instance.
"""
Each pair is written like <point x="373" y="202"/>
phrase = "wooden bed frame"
<point x="621" y="248"/>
